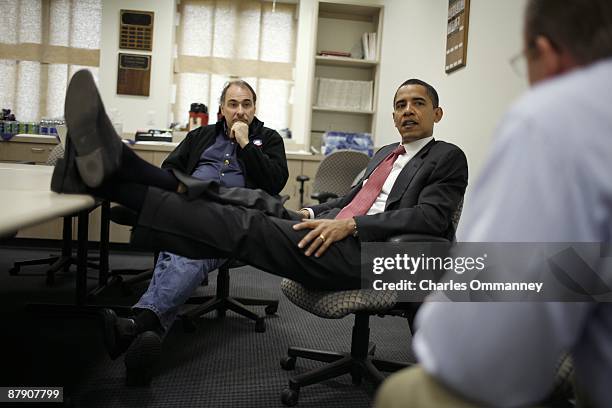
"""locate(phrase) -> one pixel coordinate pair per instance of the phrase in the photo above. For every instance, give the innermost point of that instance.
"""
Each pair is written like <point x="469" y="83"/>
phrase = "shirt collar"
<point x="413" y="148"/>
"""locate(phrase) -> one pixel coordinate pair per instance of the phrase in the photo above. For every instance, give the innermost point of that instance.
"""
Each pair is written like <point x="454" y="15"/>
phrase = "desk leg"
<point x="80" y="307"/>
<point x="104" y="244"/>
<point x="67" y="240"/>
<point x="81" y="275"/>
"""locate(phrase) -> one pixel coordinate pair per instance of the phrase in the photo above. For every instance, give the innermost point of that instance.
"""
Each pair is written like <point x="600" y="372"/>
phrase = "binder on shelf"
<point x="343" y="94"/>
<point x="368" y="41"/>
<point x="335" y="54"/>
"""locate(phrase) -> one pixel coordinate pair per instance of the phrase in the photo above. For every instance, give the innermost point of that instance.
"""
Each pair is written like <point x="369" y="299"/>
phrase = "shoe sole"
<point x="98" y="152"/>
<point x="141" y="359"/>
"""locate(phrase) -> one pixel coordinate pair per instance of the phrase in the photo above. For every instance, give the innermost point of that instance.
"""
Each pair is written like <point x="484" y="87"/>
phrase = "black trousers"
<point x="244" y="224"/>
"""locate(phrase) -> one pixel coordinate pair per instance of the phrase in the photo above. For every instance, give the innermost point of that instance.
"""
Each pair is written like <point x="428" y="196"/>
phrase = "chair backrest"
<point x="56" y="153"/>
<point x="456" y="217"/>
<point x="338" y="170"/>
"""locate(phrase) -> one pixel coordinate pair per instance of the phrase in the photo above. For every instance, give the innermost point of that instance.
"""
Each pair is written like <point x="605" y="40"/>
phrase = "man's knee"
<point x="414" y="388"/>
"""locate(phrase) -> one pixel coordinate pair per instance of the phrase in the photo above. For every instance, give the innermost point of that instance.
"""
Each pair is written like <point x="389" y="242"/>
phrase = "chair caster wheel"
<point x="14" y="270"/>
<point x="260" y="325"/>
<point x="288" y="363"/>
<point x="289" y="397"/>
<point x="188" y="326"/>
<point x="271" y="309"/>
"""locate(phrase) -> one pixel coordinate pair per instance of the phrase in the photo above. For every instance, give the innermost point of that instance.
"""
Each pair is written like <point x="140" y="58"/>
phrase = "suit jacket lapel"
<point x="380" y="156"/>
<point x="407" y="174"/>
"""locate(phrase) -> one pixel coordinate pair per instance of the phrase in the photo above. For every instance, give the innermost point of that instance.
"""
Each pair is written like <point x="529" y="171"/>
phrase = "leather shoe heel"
<point x="97" y="145"/>
<point x="142" y="358"/>
<point x="66" y="178"/>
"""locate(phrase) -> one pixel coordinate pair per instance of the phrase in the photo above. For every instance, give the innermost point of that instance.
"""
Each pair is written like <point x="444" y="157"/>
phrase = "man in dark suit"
<point x="197" y="219"/>
<point x="409" y="187"/>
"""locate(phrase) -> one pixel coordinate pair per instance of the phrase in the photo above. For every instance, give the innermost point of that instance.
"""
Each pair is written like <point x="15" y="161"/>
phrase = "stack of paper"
<point x="343" y="94"/>
<point x="368" y="41"/>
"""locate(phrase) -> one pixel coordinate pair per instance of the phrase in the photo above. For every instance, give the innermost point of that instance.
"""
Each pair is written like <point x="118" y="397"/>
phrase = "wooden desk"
<point x="27" y="200"/>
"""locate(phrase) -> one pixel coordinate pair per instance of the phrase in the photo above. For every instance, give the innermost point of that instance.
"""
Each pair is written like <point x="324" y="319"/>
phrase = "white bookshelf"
<point x="341" y="110"/>
<point x="339" y="27"/>
<point x="345" y="62"/>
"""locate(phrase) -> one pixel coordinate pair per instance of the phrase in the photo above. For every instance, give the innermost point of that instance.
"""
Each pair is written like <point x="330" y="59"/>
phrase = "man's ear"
<point x="438" y="113"/>
<point x="551" y="59"/>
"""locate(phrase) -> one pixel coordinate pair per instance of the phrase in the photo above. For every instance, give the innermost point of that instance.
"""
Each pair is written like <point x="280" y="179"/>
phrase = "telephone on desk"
<point x="154" y="135"/>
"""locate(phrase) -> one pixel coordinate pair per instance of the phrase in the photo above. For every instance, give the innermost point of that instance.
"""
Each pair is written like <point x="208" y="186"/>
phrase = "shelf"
<point x="348" y="11"/>
<point x="344" y="61"/>
<point x="340" y="110"/>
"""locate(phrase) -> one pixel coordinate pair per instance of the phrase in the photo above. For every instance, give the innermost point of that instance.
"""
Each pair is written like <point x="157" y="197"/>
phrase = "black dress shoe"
<point x="142" y="358"/>
<point x="119" y="333"/>
<point x="66" y="178"/>
<point x="97" y="145"/>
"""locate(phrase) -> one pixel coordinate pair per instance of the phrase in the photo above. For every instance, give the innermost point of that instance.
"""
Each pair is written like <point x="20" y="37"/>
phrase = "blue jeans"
<point x="175" y="278"/>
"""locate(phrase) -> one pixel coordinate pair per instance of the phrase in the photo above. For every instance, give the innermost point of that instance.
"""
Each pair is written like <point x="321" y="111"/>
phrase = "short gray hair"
<point x="240" y="83"/>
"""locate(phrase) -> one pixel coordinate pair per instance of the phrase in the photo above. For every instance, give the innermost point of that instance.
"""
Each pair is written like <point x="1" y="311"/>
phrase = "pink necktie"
<point x="364" y="199"/>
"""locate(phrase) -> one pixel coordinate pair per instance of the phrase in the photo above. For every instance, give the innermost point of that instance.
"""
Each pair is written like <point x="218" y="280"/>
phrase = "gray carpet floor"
<point x="225" y="363"/>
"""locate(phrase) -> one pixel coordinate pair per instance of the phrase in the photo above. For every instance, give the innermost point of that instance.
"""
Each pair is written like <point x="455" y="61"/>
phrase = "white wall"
<point x="474" y="97"/>
<point x="139" y="111"/>
<point x="413" y="45"/>
<point x="304" y="68"/>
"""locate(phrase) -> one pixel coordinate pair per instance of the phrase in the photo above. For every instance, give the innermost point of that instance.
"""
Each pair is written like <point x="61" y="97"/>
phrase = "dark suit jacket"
<point x="423" y="199"/>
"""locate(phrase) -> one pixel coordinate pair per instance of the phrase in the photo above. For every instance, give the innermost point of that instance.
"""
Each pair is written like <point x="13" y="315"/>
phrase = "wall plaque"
<point x="456" y="34"/>
<point x="136" y="30"/>
<point x="134" y="74"/>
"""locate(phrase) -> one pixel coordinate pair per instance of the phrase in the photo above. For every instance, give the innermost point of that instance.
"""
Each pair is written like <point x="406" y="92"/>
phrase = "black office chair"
<point x="124" y="216"/>
<point x="359" y="362"/>
<point x="335" y="175"/>
<point x="221" y="301"/>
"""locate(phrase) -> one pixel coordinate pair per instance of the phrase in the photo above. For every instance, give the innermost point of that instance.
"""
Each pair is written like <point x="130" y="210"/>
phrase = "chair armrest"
<point x="323" y="196"/>
<point x="417" y="238"/>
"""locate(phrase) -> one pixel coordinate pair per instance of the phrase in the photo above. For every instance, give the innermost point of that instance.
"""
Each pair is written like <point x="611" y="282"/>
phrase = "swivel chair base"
<point x="56" y="263"/>
<point x="222" y="301"/>
<point x="359" y="363"/>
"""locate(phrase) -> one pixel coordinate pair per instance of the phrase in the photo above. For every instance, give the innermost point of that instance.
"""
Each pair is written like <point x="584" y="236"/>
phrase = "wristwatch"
<point x="355" y="231"/>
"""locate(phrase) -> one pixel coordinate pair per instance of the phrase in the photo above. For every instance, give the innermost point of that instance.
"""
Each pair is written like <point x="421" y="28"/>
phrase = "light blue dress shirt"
<point x="548" y="179"/>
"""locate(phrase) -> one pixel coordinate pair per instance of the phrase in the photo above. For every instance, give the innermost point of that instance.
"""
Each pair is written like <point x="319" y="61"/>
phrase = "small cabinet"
<point x="305" y="165"/>
<point x="25" y="152"/>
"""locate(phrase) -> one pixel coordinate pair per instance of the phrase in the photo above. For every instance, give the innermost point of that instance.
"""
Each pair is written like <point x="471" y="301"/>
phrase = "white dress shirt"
<point x="412" y="149"/>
